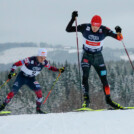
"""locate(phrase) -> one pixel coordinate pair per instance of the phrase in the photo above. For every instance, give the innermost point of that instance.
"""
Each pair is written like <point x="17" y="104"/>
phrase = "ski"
<point x="89" y="109"/>
<point x="129" y="107"/>
<point x="5" y="113"/>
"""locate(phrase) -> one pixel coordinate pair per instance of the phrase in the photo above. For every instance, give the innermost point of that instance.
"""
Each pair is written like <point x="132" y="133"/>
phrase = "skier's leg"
<point x="7" y="100"/>
<point x="85" y="86"/>
<point x="102" y="72"/>
<point x="16" y="86"/>
<point x="35" y="86"/>
<point x="39" y="99"/>
<point x="85" y="69"/>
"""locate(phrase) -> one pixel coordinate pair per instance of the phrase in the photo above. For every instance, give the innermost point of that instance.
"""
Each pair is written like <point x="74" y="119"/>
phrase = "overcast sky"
<point x="46" y="20"/>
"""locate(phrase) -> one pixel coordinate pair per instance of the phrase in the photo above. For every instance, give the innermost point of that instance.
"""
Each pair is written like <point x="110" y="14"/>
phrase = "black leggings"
<point x="97" y="61"/>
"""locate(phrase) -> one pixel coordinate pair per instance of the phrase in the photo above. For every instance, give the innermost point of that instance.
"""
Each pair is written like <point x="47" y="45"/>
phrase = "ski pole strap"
<point x="14" y="74"/>
<point x="51" y="88"/>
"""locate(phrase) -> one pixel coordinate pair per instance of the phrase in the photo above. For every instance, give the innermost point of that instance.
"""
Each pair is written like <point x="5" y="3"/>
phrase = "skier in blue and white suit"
<point x="31" y="67"/>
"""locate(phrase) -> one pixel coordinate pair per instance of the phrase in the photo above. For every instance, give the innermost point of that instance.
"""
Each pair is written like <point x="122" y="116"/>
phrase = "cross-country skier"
<point x="93" y="35"/>
<point x="31" y="67"/>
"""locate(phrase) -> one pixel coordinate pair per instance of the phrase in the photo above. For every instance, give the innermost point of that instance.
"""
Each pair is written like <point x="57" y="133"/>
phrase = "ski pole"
<point x="51" y="88"/>
<point x="78" y="54"/>
<point x="77" y="44"/>
<point x="14" y="74"/>
<point x="128" y="55"/>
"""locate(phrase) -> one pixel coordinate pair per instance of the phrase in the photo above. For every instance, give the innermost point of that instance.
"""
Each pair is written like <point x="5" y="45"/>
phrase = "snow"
<point x="14" y="54"/>
<point x="125" y="57"/>
<point x="74" y="51"/>
<point x="97" y="122"/>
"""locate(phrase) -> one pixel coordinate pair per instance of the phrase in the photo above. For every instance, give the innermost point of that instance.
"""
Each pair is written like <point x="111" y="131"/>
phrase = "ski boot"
<point x="86" y="101"/>
<point x="2" y="107"/>
<point x="113" y="104"/>
<point x="39" y="111"/>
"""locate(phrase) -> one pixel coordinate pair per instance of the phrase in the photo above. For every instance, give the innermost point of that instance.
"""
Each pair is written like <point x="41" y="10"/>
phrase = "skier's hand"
<point x="74" y="14"/>
<point x="11" y="74"/>
<point x="119" y="36"/>
<point x="118" y="29"/>
<point x="62" y="69"/>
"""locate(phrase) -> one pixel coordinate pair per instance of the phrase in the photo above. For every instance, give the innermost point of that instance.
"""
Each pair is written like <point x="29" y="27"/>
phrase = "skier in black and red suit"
<point x="31" y="67"/>
<point x="93" y="35"/>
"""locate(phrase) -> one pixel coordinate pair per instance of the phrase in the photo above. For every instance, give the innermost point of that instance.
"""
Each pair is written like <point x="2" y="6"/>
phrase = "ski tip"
<point x="128" y="107"/>
<point x="2" y="113"/>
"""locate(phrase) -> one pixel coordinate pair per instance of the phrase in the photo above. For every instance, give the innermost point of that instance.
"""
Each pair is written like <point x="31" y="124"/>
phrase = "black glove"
<point x="10" y="75"/>
<point x="61" y="70"/>
<point x="118" y="29"/>
<point x="74" y="14"/>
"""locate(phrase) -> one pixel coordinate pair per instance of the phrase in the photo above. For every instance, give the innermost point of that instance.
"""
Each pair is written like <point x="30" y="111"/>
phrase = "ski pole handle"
<point x="14" y="74"/>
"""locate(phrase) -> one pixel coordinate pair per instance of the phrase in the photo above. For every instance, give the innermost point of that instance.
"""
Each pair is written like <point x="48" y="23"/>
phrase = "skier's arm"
<point x="19" y="63"/>
<point x="110" y="33"/>
<point x="15" y="65"/>
<point x="70" y="27"/>
<point x="54" y="69"/>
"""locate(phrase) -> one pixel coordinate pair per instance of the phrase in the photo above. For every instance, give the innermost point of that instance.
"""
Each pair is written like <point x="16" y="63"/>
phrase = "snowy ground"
<point x="14" y="54"/>
<point x="98" y="122"/>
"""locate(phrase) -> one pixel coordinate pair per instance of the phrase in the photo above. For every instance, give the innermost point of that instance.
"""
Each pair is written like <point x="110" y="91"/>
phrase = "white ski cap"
<point x="42" y="52"/>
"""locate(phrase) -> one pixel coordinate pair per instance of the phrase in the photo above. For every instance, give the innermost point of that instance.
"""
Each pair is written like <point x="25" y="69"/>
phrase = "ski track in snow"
<point x="98" y="122"/>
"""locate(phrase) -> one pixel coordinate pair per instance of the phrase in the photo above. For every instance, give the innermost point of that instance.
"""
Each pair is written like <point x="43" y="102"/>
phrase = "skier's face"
<point x="41" y="59"/>
<point x="95" y="28"/>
